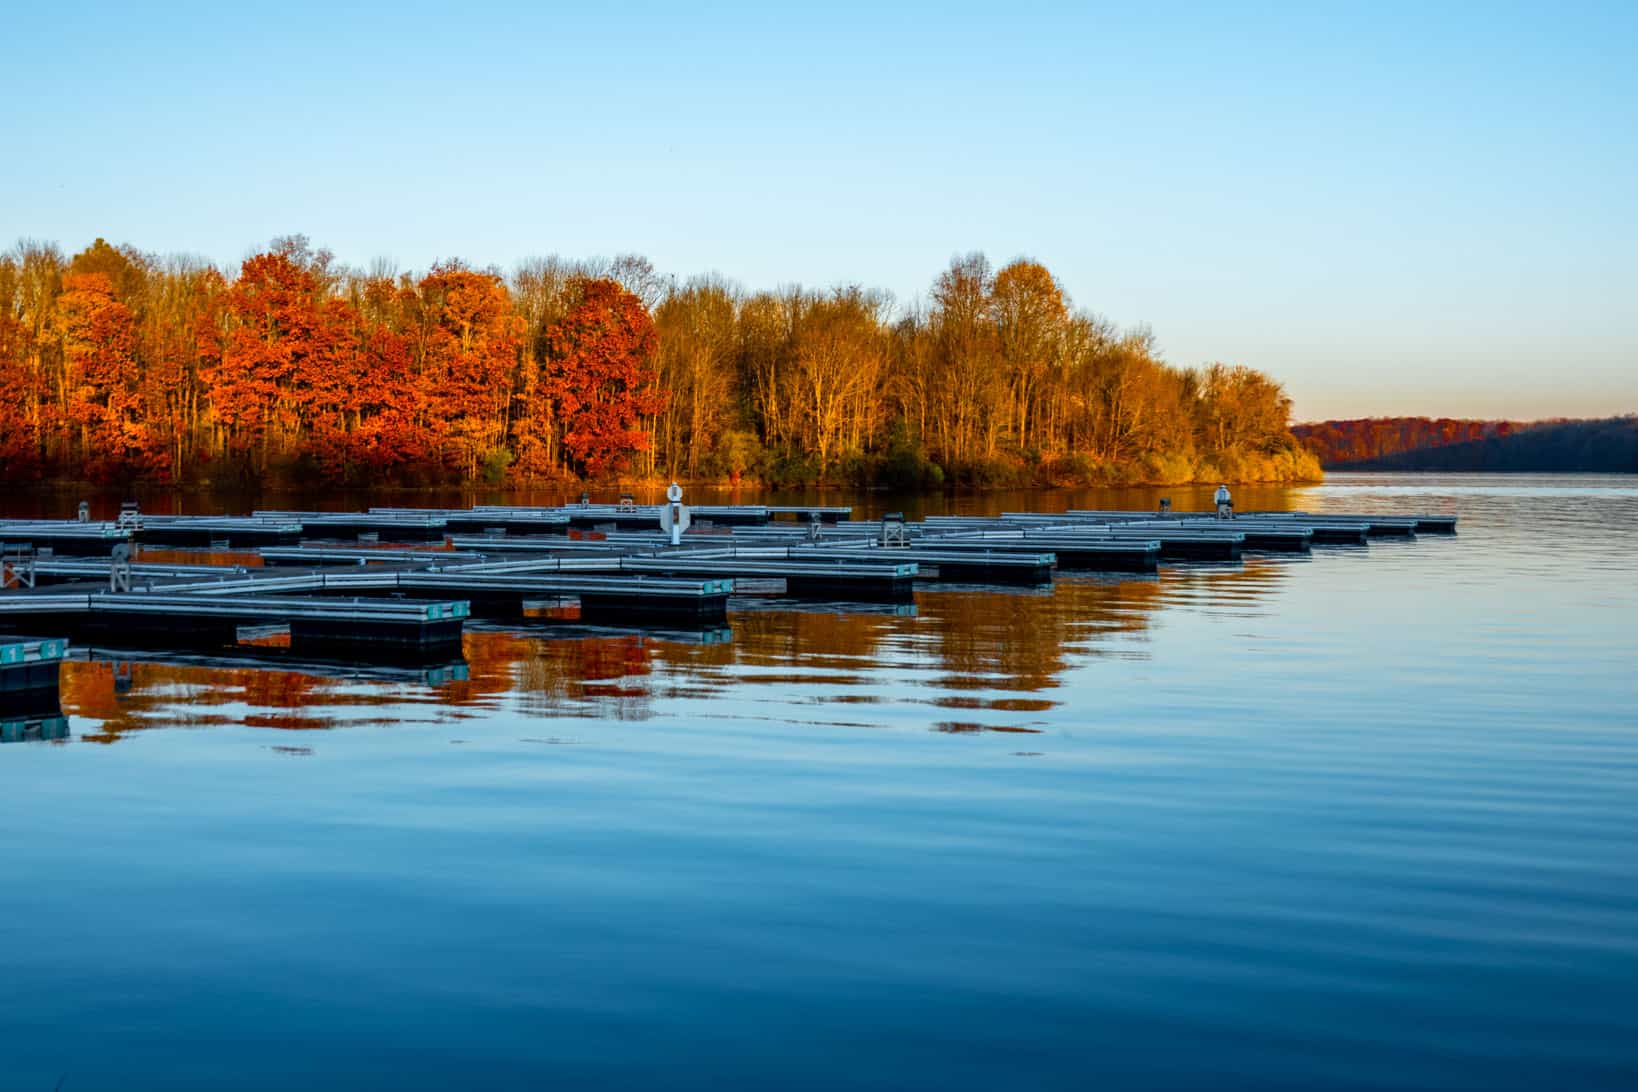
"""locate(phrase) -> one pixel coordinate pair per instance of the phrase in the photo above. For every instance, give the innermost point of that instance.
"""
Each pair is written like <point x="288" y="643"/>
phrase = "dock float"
<point x="1169" y="545"/>
<point x="28" y="666"/>
<point x="486" y="519"/>
<point x="807" y="513"/>
<point x="210" y="531"/>
<point x="1059" y="534"/>
<point x="989" y="565"/>
<point x="315" y="556"/>
<point x="188" y="619"/>
<point x="1373" y="526"/>
<point x="842" y="579"/>
<point x="617" y="598"/>
<point x="71" y="570"/>
<point x="498" y="589"/>
<point x="533" y="544"/>
<point x="1376" y="525"/>
<point x="992" y="565"/>
<point x="64" y="536"/>
<point x="1324" y="531"/>
<point x="389" y="528"/>
<point x="609" y="517"/>
<point x="1078" y="553"/>
<point x="1255" y="535"/>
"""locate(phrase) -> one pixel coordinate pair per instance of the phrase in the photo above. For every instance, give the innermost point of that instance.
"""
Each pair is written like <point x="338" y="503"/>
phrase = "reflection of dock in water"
<point x="333" y="591"/>
<point x="19" y="728"/>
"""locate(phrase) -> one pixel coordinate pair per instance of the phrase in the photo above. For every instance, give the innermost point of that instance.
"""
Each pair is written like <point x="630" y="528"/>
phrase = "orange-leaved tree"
<point x="113" y="431"/>
<point x="465" y="343"/>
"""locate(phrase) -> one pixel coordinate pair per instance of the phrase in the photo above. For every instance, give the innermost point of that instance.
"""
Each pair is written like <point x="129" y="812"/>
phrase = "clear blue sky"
<point x="1418" y="208"/>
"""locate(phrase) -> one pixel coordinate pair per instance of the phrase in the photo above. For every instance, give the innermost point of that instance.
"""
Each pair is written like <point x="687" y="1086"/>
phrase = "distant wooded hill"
<point x="1609" y="445"/>
<point x="1340" y="443"/>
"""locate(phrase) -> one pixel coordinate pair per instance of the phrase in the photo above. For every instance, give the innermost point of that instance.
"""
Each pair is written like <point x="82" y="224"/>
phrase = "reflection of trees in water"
<point x="1230" y="587"/>
<point x="609" y="676"/>
<point x="1022" y="642"/>
<point x="1025" y="642"/>
<point x="967" y="641"/>
<point x="585" y="676"/>
<point x="128" y="696"/>
<point x="620" y="676"/>
<point x="821" y="641"/>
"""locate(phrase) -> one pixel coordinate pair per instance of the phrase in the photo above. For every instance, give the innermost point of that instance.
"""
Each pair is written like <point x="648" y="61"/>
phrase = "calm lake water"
<point x="1359" y="820"/>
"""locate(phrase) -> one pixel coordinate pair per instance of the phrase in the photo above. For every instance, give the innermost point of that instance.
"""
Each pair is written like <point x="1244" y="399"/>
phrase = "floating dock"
<point x="188" y="619"/>
<point x="64" y="536"/>
<point x="220" y="533"/>
<point x="315" y="556"/>
<point x="388" y="527"/>
<point x="841" y="579"/>
<point x="1329" y="527"/>
<point x="486" y="520"/>
<point x="433" y="569"/>
<point x="973" y="566"/>
<point x="29" y="665"/>
<point x="619" y="598"/>
<point x="1170" y="543"/>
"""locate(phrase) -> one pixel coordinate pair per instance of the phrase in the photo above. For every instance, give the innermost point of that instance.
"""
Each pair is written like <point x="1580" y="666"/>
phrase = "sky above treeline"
<point x="1393" y="209"/>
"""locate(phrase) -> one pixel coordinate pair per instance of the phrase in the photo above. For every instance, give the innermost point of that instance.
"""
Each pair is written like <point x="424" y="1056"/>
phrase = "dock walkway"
<point x="435" y="568"/>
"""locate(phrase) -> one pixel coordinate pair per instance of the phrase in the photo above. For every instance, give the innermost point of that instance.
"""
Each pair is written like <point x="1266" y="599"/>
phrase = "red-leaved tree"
<point x="280" y="359"/>
<point x="598" y="378"/>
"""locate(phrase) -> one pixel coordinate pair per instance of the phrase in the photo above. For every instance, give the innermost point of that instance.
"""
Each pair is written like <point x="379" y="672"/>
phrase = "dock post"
<point x="119" y="568"/>
<point x="674" y="516"/>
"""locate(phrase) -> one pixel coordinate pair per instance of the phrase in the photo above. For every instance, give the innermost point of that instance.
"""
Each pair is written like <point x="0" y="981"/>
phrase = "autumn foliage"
<point x="1555" y="446"/>
<point x="596" y="389"/>
<point x="119" y="366"/>
<point x="1338" y="443"/>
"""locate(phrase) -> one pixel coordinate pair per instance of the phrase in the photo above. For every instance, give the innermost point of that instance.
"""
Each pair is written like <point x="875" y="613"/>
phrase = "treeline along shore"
<point x="1358" y="440"/>
<point x="1597" y="446"/>
<point x="119" y="366"/>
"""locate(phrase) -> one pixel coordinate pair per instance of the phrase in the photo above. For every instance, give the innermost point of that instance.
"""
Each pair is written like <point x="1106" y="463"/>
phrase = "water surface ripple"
<point x="1360" y="820"/>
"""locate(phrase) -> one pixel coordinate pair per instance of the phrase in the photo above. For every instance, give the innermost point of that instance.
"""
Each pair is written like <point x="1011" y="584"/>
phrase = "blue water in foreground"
<point x="1360" y="820"/>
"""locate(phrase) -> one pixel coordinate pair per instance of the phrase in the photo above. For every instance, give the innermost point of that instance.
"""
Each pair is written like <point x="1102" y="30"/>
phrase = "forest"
<point x="1601" y="446"/>
<point x="119" y="366"/>
<point x="1357" y="440"/>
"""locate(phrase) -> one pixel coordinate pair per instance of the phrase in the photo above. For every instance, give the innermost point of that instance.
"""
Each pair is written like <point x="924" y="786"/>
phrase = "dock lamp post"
<point x="674" y="516"/>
